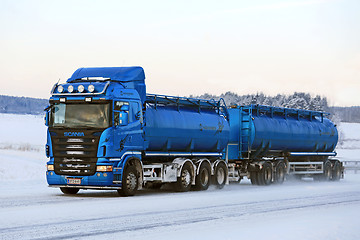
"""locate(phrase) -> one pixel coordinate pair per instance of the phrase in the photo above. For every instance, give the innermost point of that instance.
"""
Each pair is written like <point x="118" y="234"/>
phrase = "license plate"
<point x="74" y="181"/>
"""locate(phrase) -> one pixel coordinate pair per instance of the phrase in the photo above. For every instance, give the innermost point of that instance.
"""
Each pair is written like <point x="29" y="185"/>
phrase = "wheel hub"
<point x="220" y="175"/>
<point x="204" y="177"/>
<point x="131" y="181"/>
<point x="186" y="178"/>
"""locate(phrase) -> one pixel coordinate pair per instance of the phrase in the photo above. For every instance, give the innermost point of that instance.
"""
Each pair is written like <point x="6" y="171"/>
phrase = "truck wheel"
<point x="183" y="183"/>
<point x="253" y="178"/>
<point x="265" y="174"/>
<point x="130" y="182"/>
<point x="336" y="171"/>
<point x="279" y="172"/>
<point x="71" y="191"/>
<point x="326" y="176"/>
<point x="220" y="175"/>
<point x="202" y="180"/>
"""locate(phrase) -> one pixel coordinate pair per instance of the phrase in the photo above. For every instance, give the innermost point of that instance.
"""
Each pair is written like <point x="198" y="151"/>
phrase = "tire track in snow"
<point x="91" y="227"/>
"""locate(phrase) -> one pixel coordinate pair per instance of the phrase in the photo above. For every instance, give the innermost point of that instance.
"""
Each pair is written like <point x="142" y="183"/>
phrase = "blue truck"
<point x="106" y="132"/>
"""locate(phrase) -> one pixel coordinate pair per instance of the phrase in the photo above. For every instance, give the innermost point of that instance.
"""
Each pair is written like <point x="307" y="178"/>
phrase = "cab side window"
<point x="135" y="112"/>
<point x="121" y="113"/>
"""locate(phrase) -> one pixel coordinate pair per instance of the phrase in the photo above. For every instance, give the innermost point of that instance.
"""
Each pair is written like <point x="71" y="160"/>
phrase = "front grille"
<point x="75" y="155"/>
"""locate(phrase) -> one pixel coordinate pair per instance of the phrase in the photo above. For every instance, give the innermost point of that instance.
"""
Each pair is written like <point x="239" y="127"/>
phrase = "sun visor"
<point x="121" y="74"/>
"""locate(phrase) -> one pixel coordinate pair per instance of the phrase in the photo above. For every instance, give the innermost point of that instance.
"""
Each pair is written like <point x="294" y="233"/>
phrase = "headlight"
<point x="81" y="88"/>
<point x="91" y="88"/>
<point x="60" y="89"/>
<point x="50" y="167"/>
<point x="70" y="89"/>
<point x="104" y="168"/>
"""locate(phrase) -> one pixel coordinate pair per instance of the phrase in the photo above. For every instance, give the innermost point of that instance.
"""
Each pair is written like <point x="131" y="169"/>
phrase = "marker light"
<point x="60" y="89"/>
<point x="104" y="168"/>
<point x="81" y="88"/>
<point x="70" y="89"/>
<point x="91" y="88"/>
<point x="50" y="167"/>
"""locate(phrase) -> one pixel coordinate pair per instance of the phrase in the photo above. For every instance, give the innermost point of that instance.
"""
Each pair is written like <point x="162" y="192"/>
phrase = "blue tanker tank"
<point x="264" y="130"/>
<point x="185" y="125"/>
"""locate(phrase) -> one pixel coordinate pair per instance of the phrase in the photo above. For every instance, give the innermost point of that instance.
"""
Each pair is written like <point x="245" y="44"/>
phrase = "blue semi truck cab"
<point x="106" y="132"/>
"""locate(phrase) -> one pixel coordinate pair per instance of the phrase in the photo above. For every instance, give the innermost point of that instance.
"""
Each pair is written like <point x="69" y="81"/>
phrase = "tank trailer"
<point x="105" y="132"/>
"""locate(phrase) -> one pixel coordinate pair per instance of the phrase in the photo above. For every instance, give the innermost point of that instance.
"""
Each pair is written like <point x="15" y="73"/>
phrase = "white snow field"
<point x="294" y="210"/>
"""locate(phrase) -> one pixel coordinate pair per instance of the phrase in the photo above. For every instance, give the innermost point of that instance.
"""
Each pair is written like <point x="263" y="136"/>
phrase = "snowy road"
<point x="295" y="210"/>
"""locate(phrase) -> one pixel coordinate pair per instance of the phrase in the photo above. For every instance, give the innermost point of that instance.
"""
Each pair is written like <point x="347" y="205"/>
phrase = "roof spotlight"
<point x="70" y="89"/>
<point x="91" y="88"/>
<point x="81" y="88"/>
<point x="60" y="89"/>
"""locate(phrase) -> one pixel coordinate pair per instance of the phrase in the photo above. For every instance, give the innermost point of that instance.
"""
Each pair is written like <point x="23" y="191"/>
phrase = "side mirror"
<point x="47" y="115"/>
<point x="123" y="118"/>
<point x="46" y="118"/>
<point x="124" y="108"/>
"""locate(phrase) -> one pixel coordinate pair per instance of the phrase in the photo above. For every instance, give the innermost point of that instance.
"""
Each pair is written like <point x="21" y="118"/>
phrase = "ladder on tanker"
<point x="245" y="115"/>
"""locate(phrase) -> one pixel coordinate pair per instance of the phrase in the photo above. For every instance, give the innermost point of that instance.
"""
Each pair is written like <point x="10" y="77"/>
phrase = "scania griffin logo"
<point x="74" y="134"/>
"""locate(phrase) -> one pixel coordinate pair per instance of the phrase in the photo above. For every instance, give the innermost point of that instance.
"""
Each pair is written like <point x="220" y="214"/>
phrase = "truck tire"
<point x="130" y="182"/>
<point x="70" y="191"/>
<point x="279" y="172"/>
<point x="326" y="176"/>
<point x="336" y="171"/>
<point x="253" y="178"/>
<point x="265" y="174"/>
<point x="183" y="183"/>
<point x="202" y="180"/>
<point x="220" y="176"/>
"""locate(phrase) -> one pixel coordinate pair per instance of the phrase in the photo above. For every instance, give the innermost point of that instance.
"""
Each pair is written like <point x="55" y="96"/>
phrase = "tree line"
<point x="22" y="105"/>
<point x="299" y="100"/>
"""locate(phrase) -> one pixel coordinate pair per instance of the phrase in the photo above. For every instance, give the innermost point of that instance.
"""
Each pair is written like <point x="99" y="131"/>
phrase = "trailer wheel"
<point x="265" y="174"/>
<point x="253" y="178"/>
<point x="130" y="182"/>
<point x="220" y="175"/>
<point x="336" y="171"/>
<point x="183" y="183"/>
<point x="326" y="176"/>
<point x="202" y="180"/>
<point x="71" y="191"/>
<point x="279" y="172"/>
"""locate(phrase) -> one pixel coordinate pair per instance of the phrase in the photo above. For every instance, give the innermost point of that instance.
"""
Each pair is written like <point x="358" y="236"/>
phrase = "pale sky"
<point x="186" y="47"/>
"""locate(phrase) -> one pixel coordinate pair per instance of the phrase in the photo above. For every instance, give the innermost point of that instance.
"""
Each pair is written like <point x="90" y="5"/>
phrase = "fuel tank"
<point x="185" y="129"/>
<point x="265" y="129"/>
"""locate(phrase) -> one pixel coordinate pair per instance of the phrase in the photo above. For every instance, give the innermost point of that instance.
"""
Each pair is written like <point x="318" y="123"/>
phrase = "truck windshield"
<point x="80" y="115"/>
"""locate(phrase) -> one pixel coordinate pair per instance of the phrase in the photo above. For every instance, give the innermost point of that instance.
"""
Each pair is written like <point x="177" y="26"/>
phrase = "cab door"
<point x="128" y="130"/>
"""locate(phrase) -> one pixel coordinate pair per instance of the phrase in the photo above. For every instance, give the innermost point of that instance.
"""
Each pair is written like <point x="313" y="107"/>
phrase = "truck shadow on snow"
<point x="245" y="186"/>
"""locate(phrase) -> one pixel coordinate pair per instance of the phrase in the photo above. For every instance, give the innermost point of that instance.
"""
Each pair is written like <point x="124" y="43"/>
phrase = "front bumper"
<point x="100" y="180"/>
<point x="86" y="187"/>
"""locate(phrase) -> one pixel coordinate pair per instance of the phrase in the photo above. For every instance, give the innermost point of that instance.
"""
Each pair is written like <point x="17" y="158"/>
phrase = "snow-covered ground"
<point x="294" y="210"/>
